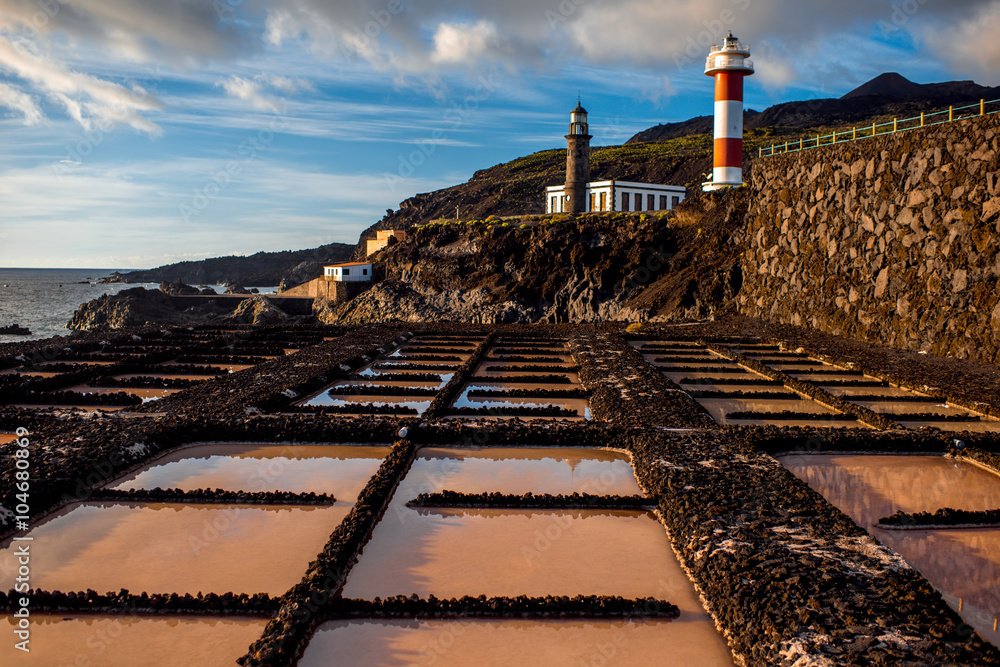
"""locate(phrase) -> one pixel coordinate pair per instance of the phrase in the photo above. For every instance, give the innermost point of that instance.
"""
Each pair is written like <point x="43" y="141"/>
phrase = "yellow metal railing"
<point x="951" y="114"/>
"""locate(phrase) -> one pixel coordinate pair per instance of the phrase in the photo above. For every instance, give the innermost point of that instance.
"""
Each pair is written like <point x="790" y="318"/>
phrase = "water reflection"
<point x="451" y="553"/>
<point x="174" y="548"/>
<point x="963" y="564"/>
<point x="512" y="642"/>
<point x="337" y="469"/>
<point x="128" y="641"/>
<point x="523" y="470"/>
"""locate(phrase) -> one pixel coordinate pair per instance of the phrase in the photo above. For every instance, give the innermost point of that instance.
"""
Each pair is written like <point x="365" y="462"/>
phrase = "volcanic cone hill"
<point x="886" y="96"/>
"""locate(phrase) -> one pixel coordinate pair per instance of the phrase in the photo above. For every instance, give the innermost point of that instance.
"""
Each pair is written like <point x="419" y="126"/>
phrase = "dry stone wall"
<point x="894" y="240"/>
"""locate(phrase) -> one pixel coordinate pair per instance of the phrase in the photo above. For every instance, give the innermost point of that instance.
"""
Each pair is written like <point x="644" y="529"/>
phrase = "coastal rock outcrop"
<point x="259" y="311"/>
<point x="178" y="287"/>
<point x="140" y="307"/>
<point x="14" y="330"/>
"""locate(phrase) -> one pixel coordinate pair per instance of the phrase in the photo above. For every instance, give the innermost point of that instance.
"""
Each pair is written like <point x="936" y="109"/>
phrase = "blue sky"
<point x="141" y="132"/>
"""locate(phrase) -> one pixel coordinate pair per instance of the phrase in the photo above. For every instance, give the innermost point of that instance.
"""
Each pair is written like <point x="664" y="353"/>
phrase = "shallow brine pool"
<point x="555" y="643"/>
<point x="964" y="564"/>
<point x="175" y="548"/>
<point x="341" y="470"/>
<point x="129" y="641"/>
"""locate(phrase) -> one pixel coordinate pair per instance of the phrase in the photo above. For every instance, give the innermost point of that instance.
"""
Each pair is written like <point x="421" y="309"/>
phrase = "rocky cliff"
<point x="517" y="187"/>
<point x="677" y="265"/>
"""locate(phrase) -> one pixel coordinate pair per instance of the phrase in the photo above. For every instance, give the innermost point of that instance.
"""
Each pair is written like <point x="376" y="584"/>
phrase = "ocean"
<point x="44" y="300"/>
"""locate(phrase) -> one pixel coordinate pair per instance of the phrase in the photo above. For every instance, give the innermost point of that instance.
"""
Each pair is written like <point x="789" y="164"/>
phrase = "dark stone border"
<point x="628" y="391"/>
<point x="158" y="495"/>
<point x="302" y="606"/>
<point x="945" y="517"/>
<point x="796" y="580"/>
<point x="813" y="391"/>
<point x="574" y="500"/>
<point x="467" y="607"/>
<point x="124" y="602"/>
<point x="441" y="405"/>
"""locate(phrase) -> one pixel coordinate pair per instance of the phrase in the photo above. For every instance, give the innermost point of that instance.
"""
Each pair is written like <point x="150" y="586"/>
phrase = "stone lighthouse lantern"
<point x="577" y="161"/>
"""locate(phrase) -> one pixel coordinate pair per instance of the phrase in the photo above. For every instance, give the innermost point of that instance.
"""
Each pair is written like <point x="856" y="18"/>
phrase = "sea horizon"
<point x="65" y="268"/>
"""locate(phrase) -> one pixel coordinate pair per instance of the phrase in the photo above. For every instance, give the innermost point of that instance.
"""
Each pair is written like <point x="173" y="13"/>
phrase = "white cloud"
<point x="772" y="68"/>
<point x="252" y="91"/>
<point x="179" y="32"/>
<point x="426" y="40"/>
<point x="18" y="100"/>
<point x="463" y="43"/>
<point x="85" y="98"/>
<point x="256" y="90"/>
<point x="970" y="45"/>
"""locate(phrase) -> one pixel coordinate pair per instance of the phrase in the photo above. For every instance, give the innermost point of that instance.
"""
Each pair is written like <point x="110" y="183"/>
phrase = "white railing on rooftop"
<point x="740" y="46"/>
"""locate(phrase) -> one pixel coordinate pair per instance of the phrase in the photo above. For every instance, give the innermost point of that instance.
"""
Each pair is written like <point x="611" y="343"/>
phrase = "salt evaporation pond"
<point x="964" y="564"/>
<point x="512" y="642"/>
<point x="396" y="402"/>
<point x="457" y="552"/>
<point x="342" y="470"/>
<point x="521" y="470"/>
<point x="175" y="548"/>
<point x="129" y="641"/>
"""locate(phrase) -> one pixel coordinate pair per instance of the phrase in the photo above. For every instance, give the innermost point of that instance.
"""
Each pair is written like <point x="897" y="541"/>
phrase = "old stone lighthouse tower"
<point x="577" y="161"/>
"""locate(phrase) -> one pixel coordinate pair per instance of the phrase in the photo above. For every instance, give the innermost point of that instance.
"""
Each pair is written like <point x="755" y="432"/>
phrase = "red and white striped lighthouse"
<point x="728" y="64"/>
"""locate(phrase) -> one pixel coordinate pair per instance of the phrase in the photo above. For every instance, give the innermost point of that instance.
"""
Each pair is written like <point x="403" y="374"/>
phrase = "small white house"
<point x="353" y="272"/>
<point x="619" y="196"/>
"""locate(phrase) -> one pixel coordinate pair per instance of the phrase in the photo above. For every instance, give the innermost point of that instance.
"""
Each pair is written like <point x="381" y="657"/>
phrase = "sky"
<point x="137" y="133"/>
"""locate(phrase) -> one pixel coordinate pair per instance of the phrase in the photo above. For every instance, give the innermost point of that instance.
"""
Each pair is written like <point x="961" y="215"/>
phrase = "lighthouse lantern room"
<point x="728" y="63"/>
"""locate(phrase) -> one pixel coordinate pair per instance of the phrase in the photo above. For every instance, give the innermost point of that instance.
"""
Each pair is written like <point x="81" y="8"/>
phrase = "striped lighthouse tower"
<point x="728" y="64"/>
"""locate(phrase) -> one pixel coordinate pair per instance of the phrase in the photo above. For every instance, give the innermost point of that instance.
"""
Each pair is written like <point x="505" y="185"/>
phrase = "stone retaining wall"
<point x="894" y="240"/>
<point x="332" y="290"/>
